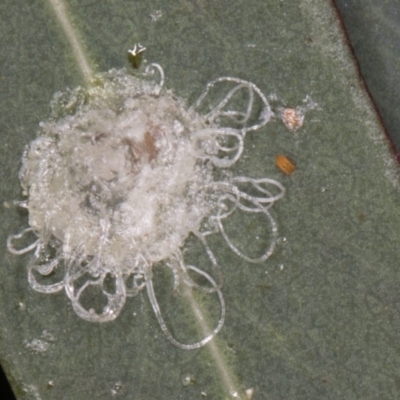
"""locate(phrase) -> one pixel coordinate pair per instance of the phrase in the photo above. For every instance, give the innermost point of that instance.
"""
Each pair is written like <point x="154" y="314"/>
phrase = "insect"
<point x="117" y="187"/>
<point x="293" y="118"/>
<point x="135" y="55"/>
<point x="285" y="164"/>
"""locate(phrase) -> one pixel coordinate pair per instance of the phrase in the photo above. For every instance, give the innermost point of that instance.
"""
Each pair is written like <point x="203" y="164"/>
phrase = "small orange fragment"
<point x="285" y="164"/>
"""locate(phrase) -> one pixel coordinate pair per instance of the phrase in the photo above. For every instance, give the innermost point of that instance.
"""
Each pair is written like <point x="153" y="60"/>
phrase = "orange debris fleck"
<point x="285" y="164"/>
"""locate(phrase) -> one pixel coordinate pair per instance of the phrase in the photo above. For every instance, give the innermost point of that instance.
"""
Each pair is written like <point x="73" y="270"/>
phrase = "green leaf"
<point x="374" y="33"/>
<point x="320" y="318"/>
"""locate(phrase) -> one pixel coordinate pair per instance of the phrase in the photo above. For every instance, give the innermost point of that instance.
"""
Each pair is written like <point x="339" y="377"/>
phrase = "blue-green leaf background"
<point x="320" y="319"/>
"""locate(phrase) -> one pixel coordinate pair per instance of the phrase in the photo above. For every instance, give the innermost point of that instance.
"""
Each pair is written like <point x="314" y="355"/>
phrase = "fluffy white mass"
<point x="123" y="173"/>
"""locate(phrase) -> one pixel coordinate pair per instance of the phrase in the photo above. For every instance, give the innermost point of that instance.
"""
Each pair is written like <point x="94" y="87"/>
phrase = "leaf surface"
<point x="320" y="318"/>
